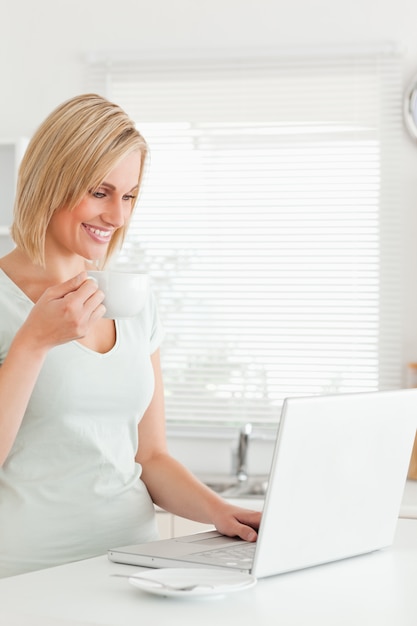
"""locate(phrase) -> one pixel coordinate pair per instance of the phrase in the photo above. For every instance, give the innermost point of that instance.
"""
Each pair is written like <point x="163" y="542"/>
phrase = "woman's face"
<point x="87" y="230"/>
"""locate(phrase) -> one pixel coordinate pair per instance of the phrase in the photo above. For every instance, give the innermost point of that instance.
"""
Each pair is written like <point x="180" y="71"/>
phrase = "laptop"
<point x="336" y="483"/>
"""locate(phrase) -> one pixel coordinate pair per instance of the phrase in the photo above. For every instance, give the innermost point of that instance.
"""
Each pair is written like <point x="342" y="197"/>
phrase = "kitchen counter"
<point x="377" y="589"/>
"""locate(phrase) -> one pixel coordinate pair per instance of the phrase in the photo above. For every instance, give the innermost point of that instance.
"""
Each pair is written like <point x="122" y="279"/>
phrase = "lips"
<point x="98" y="234"/>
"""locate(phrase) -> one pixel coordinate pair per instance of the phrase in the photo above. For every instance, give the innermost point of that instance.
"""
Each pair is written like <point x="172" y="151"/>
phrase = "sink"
<point x="231" y="487"/>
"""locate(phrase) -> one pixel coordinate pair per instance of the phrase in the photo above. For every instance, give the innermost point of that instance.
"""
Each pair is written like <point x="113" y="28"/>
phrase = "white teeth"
<point x="99" y="233"/>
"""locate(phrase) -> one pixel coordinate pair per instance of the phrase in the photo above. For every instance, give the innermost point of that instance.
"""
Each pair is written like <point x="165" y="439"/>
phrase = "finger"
<point x="250" y="518"/>
<point x="247" y="533"/>
<point x="234" y="528"/>
<point x="62" y="289"/>
<point x="97" y="313"/>
<point x="92" y="299"/>
<point x="87" y="294"/>
<point x="89" y="288"/>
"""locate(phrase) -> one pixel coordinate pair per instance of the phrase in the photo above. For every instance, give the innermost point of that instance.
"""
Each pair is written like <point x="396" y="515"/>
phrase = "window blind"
<point x="269" y="222"/>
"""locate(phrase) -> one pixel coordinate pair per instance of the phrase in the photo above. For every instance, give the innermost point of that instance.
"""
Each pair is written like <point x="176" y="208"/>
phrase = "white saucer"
<point x="210" y="581"/>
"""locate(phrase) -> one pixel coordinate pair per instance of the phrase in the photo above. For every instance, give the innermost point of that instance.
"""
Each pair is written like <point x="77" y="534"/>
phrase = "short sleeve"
<point x="156" y="330"/>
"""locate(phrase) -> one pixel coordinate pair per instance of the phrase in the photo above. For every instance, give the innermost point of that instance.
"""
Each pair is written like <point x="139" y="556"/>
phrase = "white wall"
<point x="43" y="45"/>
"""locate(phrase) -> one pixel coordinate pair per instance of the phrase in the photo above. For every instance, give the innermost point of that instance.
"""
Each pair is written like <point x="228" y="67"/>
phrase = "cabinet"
<point x="174" y="526"/>
<point x="11" y="153"/>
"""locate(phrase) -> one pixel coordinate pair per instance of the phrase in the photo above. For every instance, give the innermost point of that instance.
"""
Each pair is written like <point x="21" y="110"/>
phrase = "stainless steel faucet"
<point x="242" y="453"/>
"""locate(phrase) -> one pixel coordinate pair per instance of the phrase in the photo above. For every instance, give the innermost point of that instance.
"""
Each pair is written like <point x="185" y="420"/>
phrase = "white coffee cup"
<point x="125" y="293"/>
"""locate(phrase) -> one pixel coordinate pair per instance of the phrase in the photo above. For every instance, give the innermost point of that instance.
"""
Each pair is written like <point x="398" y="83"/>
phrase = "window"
<point x="269" y="222"/>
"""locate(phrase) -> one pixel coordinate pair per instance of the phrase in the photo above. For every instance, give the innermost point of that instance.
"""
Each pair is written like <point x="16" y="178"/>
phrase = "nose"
<point x="116" y="213"/>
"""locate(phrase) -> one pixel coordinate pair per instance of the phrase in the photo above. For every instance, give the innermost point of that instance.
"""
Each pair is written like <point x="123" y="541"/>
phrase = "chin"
<point x="95" y="259"/>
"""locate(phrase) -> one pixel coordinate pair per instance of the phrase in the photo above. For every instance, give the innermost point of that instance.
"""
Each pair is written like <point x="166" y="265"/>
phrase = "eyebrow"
<point x="113" y="188"/>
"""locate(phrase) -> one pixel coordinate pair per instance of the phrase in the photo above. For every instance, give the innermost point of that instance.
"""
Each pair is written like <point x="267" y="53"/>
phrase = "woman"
<point x="83" y="452"/>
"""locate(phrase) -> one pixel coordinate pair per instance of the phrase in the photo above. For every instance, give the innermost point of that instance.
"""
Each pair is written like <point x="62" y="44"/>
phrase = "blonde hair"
<point x="72" y="152"/>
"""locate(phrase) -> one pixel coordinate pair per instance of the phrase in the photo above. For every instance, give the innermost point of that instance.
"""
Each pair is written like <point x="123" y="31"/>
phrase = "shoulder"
<point x="148" y="323"/>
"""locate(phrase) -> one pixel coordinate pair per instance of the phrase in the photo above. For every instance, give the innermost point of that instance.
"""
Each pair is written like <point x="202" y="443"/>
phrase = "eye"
<point x="129" y="197"/>
<point x="97" y="194"/>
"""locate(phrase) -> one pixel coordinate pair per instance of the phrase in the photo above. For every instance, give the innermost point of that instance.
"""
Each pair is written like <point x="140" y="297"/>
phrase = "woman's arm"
<point x="173" y="487"/>
<point x="62" y="313"/>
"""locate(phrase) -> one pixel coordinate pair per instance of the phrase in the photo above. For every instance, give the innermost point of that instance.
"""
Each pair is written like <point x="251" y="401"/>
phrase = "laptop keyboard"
<point x="237" y="555"/>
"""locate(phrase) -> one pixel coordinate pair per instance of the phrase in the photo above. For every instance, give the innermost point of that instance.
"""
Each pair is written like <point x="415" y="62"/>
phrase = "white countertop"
<point x="377" y="589"/>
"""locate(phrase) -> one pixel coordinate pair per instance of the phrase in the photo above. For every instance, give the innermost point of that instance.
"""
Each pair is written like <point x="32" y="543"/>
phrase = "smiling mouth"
<point x="98" y="234"/>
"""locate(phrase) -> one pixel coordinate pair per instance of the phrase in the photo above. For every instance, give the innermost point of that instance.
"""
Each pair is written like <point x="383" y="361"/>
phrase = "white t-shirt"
<point x="70" y="487"/>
